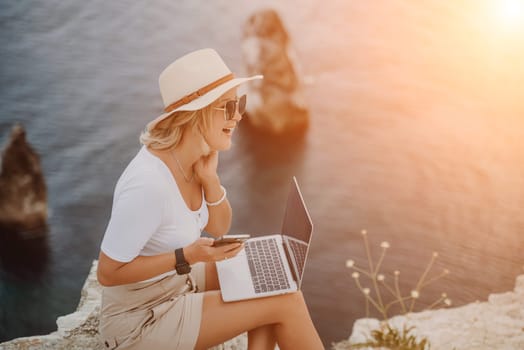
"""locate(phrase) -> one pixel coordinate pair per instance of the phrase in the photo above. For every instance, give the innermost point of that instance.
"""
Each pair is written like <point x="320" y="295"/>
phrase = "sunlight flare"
<point x="509" y="13"/>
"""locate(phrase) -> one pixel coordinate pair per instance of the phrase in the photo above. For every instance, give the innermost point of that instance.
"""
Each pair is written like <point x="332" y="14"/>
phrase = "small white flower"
<point x="364" y="232"/>
<point x="349" y="263"/>
<point x="397" y="272"/>
<point x="380" y="277"/>
<point x="384" y="245"/>
<point x="415" y="294"/>
<point x="355" y="275"/>
<point x="447" y="301"/>
<point x="365" y="291"/>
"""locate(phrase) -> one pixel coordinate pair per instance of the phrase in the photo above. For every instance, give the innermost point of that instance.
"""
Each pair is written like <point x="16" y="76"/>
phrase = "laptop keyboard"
<point x="265" y="264"/>
<point x="299" y="252"/>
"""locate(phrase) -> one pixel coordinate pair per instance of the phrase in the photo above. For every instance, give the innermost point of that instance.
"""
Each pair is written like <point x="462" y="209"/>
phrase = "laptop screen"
<point x="297" y="228"/>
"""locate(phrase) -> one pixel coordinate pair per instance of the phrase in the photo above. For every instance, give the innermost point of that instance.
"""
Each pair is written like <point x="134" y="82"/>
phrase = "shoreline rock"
<point x="79" y="330"/>
<point x="24" y="252"/>
<point x="23" y="192"/>
<point x="497" y="323"/>
<point x="276" y="103"/>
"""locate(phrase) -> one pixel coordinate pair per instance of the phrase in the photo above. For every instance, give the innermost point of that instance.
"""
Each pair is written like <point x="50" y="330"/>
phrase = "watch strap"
<point x="182" y="267"/>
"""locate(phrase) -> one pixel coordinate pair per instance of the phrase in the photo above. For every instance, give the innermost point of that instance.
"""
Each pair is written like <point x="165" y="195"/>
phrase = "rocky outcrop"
<point x="495" y="324"/>
<point x="276" y="103"/>
<point x="79" y="330"/>
<point x="23" y="194"/>
<point x="76" y="331"/>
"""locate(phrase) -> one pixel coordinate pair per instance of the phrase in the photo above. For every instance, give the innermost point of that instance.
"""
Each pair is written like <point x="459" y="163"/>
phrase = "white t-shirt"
<point x="149" y="215"/>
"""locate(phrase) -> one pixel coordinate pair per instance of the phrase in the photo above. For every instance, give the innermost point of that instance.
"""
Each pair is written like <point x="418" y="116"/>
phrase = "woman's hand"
<point x="202" y="250"/>
<point x="206" y="167"/>
<point x="219" y="221"/>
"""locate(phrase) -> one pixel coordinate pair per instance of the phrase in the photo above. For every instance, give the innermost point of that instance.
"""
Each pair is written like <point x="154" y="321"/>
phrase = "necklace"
<point x="182" y="170"/>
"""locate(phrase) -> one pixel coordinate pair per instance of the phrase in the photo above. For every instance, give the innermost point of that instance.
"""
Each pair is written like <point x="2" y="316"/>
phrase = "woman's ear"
<point x="205" y="147"/>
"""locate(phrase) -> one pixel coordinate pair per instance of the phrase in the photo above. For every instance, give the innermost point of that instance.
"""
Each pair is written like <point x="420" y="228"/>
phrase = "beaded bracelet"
<point x="214" y="204"/>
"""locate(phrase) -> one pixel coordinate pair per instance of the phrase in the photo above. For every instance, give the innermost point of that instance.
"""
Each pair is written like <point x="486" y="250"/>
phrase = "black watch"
<point x="182" y="267"/>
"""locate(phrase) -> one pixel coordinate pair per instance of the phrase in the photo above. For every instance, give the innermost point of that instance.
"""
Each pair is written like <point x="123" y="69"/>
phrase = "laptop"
<point x="272" y="264"/>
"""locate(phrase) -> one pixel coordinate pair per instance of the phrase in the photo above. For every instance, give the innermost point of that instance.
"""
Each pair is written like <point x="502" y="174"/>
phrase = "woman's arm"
<point x="111" y="272"/>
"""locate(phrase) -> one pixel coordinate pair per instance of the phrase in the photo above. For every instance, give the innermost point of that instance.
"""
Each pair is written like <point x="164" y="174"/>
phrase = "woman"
<point x="160" y="286"/>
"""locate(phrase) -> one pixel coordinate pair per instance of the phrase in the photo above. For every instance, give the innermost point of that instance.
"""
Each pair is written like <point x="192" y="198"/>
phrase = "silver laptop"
<point x="272" y="264"/>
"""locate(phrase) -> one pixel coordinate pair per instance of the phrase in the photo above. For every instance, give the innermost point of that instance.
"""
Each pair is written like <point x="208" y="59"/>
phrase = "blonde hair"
<point x="168" y="133"/>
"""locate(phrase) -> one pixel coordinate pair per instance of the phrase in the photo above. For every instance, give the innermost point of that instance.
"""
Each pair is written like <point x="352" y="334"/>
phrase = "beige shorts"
<point x="161" y="314"/>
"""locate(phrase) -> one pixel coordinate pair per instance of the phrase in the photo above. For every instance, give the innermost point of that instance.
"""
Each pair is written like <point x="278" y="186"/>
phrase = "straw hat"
<point x="194" y="81"/>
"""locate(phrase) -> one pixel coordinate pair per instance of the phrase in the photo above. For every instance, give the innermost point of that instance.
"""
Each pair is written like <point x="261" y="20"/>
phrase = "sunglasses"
<point x="231" y="107"/>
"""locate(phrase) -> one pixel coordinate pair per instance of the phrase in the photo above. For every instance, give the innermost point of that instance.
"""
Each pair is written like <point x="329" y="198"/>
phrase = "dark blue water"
<point x="416" y="135"/>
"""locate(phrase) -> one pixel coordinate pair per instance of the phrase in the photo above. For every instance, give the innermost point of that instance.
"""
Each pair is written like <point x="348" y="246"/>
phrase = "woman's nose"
<point x="237" y="116"/>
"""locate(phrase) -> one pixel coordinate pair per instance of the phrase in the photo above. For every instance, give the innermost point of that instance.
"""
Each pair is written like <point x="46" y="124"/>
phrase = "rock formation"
<point x="276" y="103"/>
<point x="23" y="194"/>
<point x="495" y="324"/>
<point x="79" y="330"/>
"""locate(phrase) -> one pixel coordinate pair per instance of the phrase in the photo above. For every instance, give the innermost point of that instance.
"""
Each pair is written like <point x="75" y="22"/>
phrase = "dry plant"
<point x="373" y="295"/>
<point x="388" y="337"/>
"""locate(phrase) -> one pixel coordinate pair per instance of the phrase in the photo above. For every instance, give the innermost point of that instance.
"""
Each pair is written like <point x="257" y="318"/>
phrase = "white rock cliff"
<point x="79" y="330"/>
<point x="495" y="324"/>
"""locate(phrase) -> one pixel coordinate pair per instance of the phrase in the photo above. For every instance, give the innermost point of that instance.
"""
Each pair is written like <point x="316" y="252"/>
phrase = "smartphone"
<point x="228" y="239"/>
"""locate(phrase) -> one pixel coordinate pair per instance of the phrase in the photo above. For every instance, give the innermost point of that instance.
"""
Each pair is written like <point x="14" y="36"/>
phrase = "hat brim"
<point x="204" y="100"/>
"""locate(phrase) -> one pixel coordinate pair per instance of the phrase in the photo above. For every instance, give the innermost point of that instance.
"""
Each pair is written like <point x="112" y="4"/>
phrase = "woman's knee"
<point x="292" y="302"/>
<point x="297" y="297"/>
